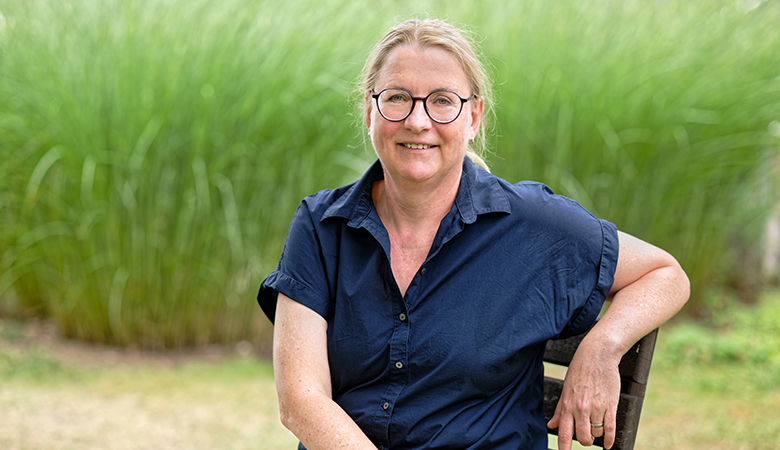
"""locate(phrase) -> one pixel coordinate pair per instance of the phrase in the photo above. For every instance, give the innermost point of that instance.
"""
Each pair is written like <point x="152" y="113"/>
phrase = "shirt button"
<point x="385" y="405"/>
<point x="422" y="271"/>
<point x="381" y="447"/>
<point x="399" y="365"/>
<point x="402" y="316"/>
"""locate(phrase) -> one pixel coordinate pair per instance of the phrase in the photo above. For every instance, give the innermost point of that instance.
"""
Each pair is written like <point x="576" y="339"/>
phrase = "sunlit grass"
<point x="152" y="153"/>
<point x="205" y="405"/>
<point x="230" y="403"/>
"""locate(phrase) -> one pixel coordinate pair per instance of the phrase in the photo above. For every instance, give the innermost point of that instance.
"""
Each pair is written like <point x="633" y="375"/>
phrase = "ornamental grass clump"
<point x="152" y="154"/>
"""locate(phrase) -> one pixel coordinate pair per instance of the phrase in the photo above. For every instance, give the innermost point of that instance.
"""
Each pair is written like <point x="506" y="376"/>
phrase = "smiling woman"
<point x="412" y="307"/>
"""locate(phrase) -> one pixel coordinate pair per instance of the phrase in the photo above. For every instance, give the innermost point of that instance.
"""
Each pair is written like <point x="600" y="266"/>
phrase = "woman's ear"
<point x="477" y="109"/>
<point x="369" y="108"/>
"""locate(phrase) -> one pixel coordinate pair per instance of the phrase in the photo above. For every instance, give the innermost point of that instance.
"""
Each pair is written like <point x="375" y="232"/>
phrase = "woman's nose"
<point x="418" y="120"/>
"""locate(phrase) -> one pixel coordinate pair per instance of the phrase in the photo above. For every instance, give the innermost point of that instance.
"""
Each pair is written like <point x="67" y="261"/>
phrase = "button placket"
<point x="399" y="347"/>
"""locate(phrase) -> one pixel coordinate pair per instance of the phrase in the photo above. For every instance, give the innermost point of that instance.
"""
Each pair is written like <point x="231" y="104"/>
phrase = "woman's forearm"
<point x="640" y="307"/>
<point x="650" y="288"/>
<point x="303" y="382"/>
<point x="320" y="423"/>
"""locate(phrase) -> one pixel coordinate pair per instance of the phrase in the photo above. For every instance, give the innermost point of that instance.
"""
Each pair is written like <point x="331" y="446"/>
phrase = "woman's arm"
<point x="649" y="288"/>
<point x="303" y="381"/>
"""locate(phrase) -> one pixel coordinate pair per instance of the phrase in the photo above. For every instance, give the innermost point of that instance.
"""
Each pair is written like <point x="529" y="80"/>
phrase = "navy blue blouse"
<point x="457" y="362"/>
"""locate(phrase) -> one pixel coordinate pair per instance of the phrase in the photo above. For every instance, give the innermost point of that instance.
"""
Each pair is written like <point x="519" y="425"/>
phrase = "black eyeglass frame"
<point x="424" y="101"/>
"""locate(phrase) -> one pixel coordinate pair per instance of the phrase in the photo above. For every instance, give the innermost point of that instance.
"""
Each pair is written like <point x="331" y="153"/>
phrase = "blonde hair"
<point x="436" y="33"/>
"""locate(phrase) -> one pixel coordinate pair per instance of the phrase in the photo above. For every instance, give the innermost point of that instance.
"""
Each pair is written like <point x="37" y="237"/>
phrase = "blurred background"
<point x="152" y="153"/>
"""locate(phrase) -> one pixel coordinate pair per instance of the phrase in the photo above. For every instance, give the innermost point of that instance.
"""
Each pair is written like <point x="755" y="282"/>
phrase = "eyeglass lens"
<point x="397" y="104"/>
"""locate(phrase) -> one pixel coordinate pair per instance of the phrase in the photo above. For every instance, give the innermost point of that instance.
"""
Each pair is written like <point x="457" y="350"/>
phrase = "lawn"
<point x="66" y="395"/>
<point x="60" y="394"/>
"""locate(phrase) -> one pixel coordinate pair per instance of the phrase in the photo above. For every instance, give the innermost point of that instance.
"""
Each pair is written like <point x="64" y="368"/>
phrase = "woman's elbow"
<point x="285" y="416"/>
<point x="677" y="284"/>
<point x="683" y="284"/>
<point x="289" y="414"/>
<point x="297" y="408"/>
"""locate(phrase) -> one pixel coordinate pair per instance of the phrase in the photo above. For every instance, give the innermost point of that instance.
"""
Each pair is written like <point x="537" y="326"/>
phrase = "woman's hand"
<point x="587" y="408"/>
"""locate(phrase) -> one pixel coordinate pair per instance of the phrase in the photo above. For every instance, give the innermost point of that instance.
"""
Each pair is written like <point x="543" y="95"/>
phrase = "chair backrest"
<point x="634" y="370"/>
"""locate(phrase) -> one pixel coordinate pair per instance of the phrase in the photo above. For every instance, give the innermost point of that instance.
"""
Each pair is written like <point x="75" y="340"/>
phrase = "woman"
<point x="412" y="307"/>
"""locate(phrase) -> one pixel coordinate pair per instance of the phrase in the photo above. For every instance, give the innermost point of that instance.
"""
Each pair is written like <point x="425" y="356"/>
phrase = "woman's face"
<point x="418" y="149"/>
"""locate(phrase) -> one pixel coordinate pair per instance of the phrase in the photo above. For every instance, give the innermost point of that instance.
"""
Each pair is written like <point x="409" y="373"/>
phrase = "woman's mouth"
<point x="417" y="146"/>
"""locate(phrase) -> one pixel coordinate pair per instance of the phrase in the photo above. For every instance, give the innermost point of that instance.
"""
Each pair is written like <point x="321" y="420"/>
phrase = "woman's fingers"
<point x="587" y="409"/>
<point x="604" y="425"/>
<point x="574" y="423"/>
<point x="610" y="427"/>
<point x="597" y="426"/>
<point x="565" y="432"/>
<point x="556" y="418"/>
<point x="583" y="431"/>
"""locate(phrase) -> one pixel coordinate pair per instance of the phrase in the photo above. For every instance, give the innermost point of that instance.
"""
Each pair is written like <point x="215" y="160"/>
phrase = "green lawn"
<point x="66" y="395"/>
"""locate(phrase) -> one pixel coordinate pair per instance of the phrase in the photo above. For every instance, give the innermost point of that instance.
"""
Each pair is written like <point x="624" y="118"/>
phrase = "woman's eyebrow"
<point x="438" y="89"/>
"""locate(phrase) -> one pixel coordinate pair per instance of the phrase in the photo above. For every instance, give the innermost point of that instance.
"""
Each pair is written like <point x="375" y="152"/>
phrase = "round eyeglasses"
<point x="442" y="107"/>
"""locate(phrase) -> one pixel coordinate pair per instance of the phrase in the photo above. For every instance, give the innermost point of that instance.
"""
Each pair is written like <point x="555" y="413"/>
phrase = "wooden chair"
<point x="634" y="369"/>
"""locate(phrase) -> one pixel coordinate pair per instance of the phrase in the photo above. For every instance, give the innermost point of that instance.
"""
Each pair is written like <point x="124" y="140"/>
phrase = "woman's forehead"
<point x="422" y="70"/>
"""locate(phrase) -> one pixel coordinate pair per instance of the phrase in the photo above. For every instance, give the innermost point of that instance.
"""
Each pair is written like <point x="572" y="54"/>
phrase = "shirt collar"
<point x="479" y="193"/>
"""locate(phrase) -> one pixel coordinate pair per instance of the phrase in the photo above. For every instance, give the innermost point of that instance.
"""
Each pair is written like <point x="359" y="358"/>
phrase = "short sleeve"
<point x="604" y="266"/>
<point x="300" y="274"/>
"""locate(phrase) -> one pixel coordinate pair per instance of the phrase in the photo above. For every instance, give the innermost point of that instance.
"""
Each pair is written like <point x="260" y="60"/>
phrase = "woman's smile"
<point x="418" y="146"/>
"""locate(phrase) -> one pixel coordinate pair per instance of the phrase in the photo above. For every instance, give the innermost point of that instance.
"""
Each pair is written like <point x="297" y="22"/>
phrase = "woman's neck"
<point x="407" y="207"/>
<point x="411" y="214"/>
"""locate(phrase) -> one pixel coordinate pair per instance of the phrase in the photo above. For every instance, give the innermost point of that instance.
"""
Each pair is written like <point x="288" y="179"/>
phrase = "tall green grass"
<point x="152" y="153"/>
<point x="651" y="114"/>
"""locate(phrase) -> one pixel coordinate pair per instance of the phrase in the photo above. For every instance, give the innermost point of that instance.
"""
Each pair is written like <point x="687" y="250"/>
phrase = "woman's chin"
<point x="424" y="172"/>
